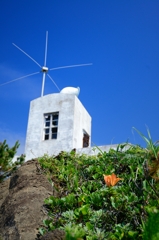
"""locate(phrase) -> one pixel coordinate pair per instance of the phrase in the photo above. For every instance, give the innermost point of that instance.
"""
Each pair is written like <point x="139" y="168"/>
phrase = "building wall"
<point x="93" y="151"/>
<point x="73" y="118"/>
<point x="82" y="123"/>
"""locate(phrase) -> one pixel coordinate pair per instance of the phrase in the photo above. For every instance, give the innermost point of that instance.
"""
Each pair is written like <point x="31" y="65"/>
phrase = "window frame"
<point x="50" y="124"/>
<point x="85" y="140"/>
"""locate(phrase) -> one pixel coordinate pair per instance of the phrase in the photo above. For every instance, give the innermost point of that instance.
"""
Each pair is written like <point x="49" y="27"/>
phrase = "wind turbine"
<point x="44" y="68"/>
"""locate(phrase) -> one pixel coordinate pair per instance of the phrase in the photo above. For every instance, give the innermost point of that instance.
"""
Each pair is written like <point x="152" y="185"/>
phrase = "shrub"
<point x="87" y="207"/>
<point x="6" y="156"/>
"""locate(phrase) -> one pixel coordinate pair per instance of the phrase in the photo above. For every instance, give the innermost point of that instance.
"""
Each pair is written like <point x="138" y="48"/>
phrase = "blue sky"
<point x="120" y="38"/>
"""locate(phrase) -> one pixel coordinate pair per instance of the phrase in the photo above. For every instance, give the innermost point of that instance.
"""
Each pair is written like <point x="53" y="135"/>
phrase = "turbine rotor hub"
<point x="44" y="69"/>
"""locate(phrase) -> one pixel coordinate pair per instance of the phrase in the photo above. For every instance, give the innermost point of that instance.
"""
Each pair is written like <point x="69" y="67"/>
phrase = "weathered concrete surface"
<point x="92" y="151"/>
<point x="22" y="198"/>
<point x="73" y="121"/>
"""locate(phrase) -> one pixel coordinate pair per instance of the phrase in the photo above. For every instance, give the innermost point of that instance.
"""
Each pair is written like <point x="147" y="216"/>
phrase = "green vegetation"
<point x="110" y="196"/>
<point x="88" y="205"/>
<point x="6" y="156"/>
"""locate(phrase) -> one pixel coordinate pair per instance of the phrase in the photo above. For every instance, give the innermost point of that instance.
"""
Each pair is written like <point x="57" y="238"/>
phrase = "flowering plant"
<point x="111" y="180"/>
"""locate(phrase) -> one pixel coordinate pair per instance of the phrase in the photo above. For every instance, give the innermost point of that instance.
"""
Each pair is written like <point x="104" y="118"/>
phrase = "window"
<point x="50" y="126"/>
<point x="85" y="140"/>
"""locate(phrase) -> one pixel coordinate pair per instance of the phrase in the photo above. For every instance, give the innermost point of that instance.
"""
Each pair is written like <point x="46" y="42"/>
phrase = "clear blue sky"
<point x="121" y="38"/>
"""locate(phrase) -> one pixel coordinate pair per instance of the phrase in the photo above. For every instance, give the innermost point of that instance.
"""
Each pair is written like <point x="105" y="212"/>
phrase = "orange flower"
<point x="111" y="180"/>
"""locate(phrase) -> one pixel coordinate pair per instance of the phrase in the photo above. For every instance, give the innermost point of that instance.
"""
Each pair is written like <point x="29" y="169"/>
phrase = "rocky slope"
<point x="21" y="204"/>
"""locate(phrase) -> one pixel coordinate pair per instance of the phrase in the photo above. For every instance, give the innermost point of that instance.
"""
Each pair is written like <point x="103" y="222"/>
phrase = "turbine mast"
<point x="44" y="68"/>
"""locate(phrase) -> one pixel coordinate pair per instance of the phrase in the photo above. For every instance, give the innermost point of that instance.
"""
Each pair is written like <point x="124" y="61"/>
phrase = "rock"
<point x="21" y="202"/>
<point x="4" y="190"/>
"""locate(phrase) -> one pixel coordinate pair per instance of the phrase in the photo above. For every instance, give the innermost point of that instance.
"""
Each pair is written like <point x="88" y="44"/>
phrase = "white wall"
<point x="82" y="122"/>
<point x="92" y="151"/>
<point x="73" y="118"/>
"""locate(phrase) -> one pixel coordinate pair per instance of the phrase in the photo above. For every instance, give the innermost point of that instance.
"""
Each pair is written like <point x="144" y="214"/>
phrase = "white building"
<point x="57" y="122"/>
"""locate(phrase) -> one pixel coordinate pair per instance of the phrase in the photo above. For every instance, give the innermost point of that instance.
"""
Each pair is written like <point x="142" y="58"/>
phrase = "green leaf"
<point x="132" y="233"/>
<point x="46" y="222"/>
<point x="142" y="135"/>
<point x="89" y="226"/>
<point x="149" y="141"/>
<point x="42" y="231"/>
<point x="85" y="209"/>
<point x="112" y="202"/>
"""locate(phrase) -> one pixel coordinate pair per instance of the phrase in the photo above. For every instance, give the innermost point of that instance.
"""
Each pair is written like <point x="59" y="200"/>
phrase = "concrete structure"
<point x="92" y="151"/>
<point x="57" y="122"/>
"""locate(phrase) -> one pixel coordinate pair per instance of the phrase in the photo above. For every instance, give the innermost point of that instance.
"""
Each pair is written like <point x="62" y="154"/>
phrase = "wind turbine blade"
<point x="71" y="66"/>
<point x="27" y="55"/>
<point x="53" y="82"/>
<point x="19" y="78"/>
<point x="46" y="49"/>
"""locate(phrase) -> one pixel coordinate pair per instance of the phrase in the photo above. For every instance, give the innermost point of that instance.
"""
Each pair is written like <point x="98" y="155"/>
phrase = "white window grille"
<point x="50" y="126"/>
